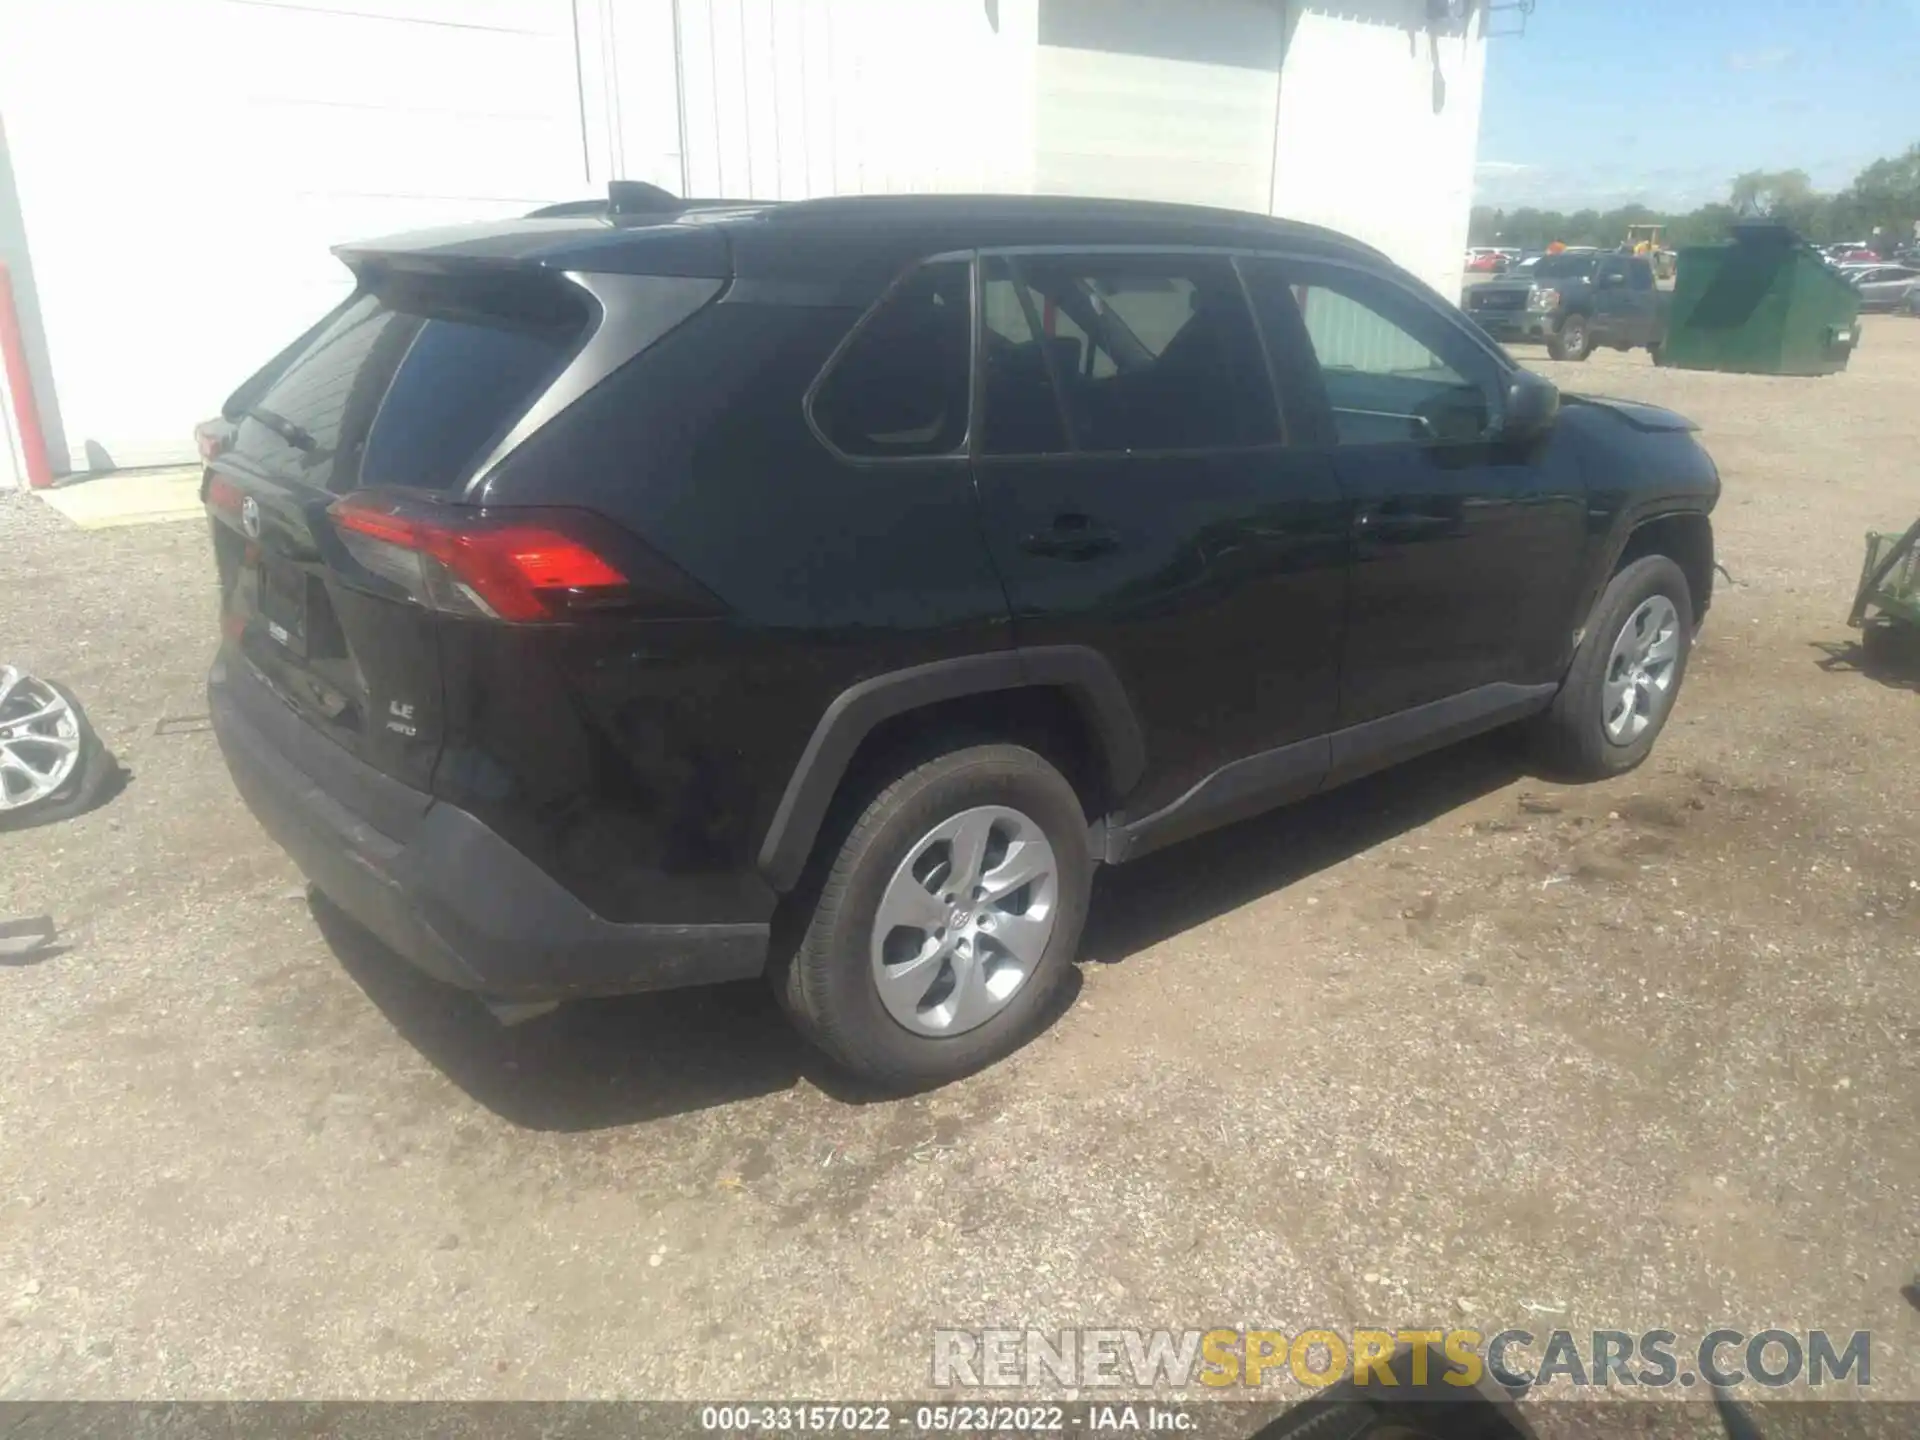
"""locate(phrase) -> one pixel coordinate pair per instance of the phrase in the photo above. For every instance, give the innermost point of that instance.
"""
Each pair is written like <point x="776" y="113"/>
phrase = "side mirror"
<point x="1532" y="404"/>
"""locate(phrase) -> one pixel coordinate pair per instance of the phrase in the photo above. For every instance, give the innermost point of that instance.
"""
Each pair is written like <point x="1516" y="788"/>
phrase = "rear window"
<point x="411" y="383"/>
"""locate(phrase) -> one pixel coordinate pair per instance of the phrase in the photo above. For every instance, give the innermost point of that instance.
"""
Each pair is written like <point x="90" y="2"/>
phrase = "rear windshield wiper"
<point x="295" y="435"/>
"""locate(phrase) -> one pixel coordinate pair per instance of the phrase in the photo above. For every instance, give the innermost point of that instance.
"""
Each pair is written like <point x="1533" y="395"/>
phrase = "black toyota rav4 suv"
<point x="655" y="593"/>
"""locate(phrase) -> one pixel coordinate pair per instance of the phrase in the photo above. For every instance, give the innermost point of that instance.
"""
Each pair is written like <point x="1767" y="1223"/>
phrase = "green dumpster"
<point x="1765" y="304"/>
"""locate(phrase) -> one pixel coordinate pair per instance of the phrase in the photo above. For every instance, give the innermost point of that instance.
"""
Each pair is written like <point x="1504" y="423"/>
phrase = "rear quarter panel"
<point x="640" y="761"/>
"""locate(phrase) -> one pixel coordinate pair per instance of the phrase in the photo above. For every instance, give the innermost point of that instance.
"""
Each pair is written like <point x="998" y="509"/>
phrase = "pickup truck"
<point x="1575" y="302"/>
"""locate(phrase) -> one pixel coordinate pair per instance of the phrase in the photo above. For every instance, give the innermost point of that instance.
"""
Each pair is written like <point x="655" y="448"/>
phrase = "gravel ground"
<point x="1454" y="1046"/>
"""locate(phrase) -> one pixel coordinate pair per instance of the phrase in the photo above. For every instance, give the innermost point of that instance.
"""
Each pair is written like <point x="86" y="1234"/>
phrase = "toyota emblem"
<point x="250" y="517"/>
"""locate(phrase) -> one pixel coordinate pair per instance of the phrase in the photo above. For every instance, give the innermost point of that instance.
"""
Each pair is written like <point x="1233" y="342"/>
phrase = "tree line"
<point x="1884" y="198"/>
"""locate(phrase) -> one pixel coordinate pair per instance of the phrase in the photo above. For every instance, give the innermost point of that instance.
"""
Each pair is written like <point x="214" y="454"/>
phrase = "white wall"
<point x="787" y="99"/>
<point x="1145" y="100"/>
<point x="1317" y="110"/>
<point x="1362" y="146"/>
<point x="183" y="166"/>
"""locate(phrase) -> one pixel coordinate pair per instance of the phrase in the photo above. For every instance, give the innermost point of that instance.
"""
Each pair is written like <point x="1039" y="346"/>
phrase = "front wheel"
<point x="1573" y="341"/>
<point x="948" y="920"/>
<point x="1625" y="676"/>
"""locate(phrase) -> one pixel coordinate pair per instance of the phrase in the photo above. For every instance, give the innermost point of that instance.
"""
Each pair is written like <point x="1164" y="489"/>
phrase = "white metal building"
<point x="172" y="172"/>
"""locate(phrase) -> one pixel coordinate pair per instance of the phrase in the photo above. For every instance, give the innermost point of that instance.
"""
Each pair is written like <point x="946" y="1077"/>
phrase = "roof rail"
<point x="624" y="197"/>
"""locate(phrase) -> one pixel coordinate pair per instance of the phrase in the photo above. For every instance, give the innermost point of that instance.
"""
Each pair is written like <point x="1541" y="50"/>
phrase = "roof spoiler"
<point x="628" y="198"/>
<point x="624" y="197"/>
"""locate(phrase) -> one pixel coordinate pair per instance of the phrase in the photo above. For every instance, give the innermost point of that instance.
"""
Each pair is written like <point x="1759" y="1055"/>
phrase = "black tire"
<point x="83" y="789"/>
<point x="1571" y="736"/>
<point x="826" y="980"/>
<point x="1573" y="340"/>
<point x="1657" y="352"/>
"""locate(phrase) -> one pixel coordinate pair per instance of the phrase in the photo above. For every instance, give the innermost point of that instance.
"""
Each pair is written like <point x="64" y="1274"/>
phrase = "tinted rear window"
<point x="411" y="383"/>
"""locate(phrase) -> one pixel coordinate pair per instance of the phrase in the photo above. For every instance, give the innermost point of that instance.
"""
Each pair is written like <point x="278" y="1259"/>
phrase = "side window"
<point x="1394" y="369"/>
<point x="1612" y="271"/>
<point x="1021" y="410"/>
<point x="900" y="387"/>
<point x="1640" y="275"/>
<point x="1131" y="352"/>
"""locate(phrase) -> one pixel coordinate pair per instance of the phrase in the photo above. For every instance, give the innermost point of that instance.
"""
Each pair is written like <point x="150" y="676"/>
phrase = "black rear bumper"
<point x="434" y="883"/>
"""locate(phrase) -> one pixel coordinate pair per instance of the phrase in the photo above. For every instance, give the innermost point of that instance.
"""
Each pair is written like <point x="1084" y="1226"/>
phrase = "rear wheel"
<point x="1626" y="675"/>
<point x="948" y="919"/>
<point x="1573" y="341"/>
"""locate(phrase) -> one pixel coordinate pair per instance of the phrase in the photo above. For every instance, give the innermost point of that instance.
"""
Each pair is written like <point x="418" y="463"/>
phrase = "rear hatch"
<point x="338" y="457"/>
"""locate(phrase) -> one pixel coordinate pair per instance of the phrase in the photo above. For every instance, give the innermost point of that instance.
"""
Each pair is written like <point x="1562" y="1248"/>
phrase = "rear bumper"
<point x="435" y="884"/>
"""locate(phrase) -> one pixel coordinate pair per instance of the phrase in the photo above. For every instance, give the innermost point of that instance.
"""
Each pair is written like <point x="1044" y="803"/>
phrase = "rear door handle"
<point x="1071" y="537"/>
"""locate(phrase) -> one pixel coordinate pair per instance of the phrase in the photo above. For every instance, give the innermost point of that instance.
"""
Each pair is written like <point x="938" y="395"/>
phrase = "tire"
<point x="830" y="982"/>
<point x="82" y="789"/>
<point x="1573" y="735"/>
<point x="1657" y="352"/>
<point x="1573" y="340"/>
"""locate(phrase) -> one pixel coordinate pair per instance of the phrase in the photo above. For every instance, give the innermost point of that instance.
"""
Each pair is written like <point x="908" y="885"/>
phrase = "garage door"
<point x="1147" y="100"/>
<point x="185" y="166"/>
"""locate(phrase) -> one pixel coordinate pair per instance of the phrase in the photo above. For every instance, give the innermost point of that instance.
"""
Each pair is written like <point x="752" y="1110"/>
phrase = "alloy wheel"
<point x="965" y="920"/>
<point x="39" y="740"/>
<point x="1640" y="670"/>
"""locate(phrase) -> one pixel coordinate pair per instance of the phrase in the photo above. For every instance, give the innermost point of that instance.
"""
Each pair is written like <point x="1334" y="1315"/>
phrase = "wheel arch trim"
<point x="1084" y="673"/>
<point x="1632" y="523"/>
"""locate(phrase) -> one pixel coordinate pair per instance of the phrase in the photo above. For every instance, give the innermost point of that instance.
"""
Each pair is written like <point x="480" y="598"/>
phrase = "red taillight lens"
<point x="224" y="496"/>
<point x="469" y="562"/>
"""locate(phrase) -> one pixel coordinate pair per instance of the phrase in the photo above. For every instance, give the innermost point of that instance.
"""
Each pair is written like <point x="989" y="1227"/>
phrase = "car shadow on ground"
<point x="1139" y="904"/>
<point x="600" y="1064"/>
<point x="587" y="1065"/>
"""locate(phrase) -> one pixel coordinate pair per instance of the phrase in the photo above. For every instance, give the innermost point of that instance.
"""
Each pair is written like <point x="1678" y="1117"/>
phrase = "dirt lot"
<point x="1454" y="1045"/>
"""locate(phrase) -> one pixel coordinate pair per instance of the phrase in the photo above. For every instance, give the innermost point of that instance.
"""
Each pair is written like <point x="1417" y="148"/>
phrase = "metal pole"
<point x="13" y="349"/>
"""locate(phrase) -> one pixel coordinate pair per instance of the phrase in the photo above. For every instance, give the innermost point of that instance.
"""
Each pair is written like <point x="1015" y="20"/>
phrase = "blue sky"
<point x="1607" y="101"/>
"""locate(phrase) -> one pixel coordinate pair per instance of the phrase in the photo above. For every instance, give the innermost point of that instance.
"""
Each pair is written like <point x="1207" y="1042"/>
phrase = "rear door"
<point x="1644" y="297"/>
<point x="403" y="389"/>
<point x="1613" y="307"/>
<point x="1140" y="498"/>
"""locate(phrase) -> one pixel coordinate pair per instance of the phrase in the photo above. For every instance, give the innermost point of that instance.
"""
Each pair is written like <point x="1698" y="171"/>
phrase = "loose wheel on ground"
<point x="52" y="764"/>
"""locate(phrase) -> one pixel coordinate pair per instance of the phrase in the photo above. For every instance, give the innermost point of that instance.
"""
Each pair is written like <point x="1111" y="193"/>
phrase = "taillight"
<point x="212" y="438"/>
<point x="506" y="565"/>
<point x="224" y="497"/>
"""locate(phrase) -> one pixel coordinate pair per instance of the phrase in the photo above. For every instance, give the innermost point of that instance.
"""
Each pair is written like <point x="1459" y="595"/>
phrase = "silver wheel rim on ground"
<point x="964" y="921"/>
<point x="39" y="740"/>
<point x="1640" y="670"/>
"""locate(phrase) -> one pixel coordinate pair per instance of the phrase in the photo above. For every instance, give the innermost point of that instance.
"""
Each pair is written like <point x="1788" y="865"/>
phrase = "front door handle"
<point x="1071" y="537"/>
<point x="1387" y="526"/>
